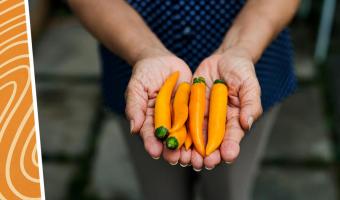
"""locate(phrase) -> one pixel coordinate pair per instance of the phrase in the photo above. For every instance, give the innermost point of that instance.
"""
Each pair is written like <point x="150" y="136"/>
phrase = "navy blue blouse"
<point x="193" y="30"/>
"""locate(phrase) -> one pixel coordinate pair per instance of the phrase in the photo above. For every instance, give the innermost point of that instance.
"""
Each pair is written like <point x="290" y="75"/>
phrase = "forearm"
<point x="258" y="24"/>
<point x="119" y="27"/>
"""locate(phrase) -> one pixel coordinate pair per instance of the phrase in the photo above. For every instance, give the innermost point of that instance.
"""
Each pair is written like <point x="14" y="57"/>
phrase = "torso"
<point x="193" y="30"/>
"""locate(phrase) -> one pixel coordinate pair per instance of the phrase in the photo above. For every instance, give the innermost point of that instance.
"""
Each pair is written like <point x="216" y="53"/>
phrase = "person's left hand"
<point x="236" y="68"/>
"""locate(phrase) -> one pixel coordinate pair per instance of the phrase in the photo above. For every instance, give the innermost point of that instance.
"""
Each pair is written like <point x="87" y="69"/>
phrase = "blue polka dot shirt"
<point x="193" y="30"/>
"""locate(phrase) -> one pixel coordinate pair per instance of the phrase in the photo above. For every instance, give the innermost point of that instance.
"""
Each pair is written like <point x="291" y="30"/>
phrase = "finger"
<point x="185" y="76"/>
<point x="212" y="160"/>
<point x="136" y="105"/>
<point x="171" y="156"/>
<point x="234" y="100"/>
<point x="250" y="102"/>
<point x="230" y="147"/>
<point x="153" y="146"/>
<point x="185" y="157"/>
<point x="196" y="161"/>
<point x="207" y="70"/>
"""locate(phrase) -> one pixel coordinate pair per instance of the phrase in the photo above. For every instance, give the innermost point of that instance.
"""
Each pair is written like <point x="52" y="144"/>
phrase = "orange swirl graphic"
<point x="19" y="168"/>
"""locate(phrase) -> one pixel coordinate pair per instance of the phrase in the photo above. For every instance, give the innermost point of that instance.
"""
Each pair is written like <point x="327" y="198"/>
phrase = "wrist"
<point x="248" y="38"/>
<point x="237" y="50"/>
<point x="149" y="52"/>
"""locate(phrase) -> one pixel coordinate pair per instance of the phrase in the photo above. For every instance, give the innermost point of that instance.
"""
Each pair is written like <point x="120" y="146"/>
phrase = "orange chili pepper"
<point x="217" y="115"/>
<point x="162" y="116"/>
<point x="176" y="139"/>
<point x="188" y="142"/>
<point x="196" y="114"/>
<point x="180" y="106"/>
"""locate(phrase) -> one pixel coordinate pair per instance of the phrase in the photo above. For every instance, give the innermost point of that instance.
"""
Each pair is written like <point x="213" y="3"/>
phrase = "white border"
<point x="34" y="96"/>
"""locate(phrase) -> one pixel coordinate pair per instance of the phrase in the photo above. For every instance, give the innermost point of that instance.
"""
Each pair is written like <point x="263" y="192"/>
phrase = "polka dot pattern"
<point x="193" y="30"/>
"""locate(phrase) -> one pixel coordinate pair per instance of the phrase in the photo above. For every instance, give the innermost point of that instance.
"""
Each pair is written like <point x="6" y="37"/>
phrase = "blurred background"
<point x="302" y="159"/>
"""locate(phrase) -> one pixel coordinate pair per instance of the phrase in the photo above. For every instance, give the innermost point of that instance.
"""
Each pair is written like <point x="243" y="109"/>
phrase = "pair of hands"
<point x="234" y="66"/>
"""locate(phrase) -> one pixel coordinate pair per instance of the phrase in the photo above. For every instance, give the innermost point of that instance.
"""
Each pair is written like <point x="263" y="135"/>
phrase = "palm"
<point x="234" y="71"/>
<point x="148" y="77"/>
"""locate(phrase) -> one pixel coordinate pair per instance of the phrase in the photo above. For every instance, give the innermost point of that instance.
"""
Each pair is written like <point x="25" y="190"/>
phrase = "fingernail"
<point x="155" y="158"/>
<point x="131" y="126"/>
<point x="183" y="165"/>
<point x="228" y="162"/>
<point x="207" y="168"/>
<point x="174" y="163"/>
<point x="250" y="122"/>
<point x="197" y="170"/>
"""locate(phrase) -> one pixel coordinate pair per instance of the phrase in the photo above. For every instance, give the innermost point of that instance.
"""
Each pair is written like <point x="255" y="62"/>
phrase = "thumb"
<point x="250" y="102"/>
<point x="136" y="104"/>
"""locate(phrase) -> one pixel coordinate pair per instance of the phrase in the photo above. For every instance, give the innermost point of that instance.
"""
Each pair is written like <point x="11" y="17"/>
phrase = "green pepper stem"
<point x="161" y="133"/>
<point x="219" y="81"/>
<point x="199" y="80"/>
<point x="171" y="143"/>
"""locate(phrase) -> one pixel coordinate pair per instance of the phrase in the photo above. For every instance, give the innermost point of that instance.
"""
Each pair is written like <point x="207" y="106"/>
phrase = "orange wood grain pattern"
<point x="19" y="168"/>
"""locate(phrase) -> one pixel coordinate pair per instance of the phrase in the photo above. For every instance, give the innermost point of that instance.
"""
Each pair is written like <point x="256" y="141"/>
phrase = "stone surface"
<point x="295" y="184"/>
<point x="65" y="116"/>
<point x="66" y="49"/>
<point x="303" y="51"/>
<point x="113" y="175"/>
<point x="304" y="67"/>
<point x="57" y="178"/>
<point x="300" y="130"/>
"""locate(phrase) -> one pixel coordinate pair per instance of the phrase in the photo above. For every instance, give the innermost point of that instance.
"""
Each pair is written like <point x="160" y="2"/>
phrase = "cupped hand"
<point x="148" y="75"/>
<point x="236" y="68"/>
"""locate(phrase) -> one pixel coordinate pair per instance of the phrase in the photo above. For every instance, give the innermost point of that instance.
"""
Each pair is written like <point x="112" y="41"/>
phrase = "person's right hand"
<point x="148" y="75"/>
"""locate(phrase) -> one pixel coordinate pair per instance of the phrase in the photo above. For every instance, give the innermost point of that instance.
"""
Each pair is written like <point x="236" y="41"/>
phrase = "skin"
<point x="238" y="72"/>
<point x="254" y="28"/>
<point x="152" y="63"/>
<point x="142" y="91"/>
<point x="233" y="62"/>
